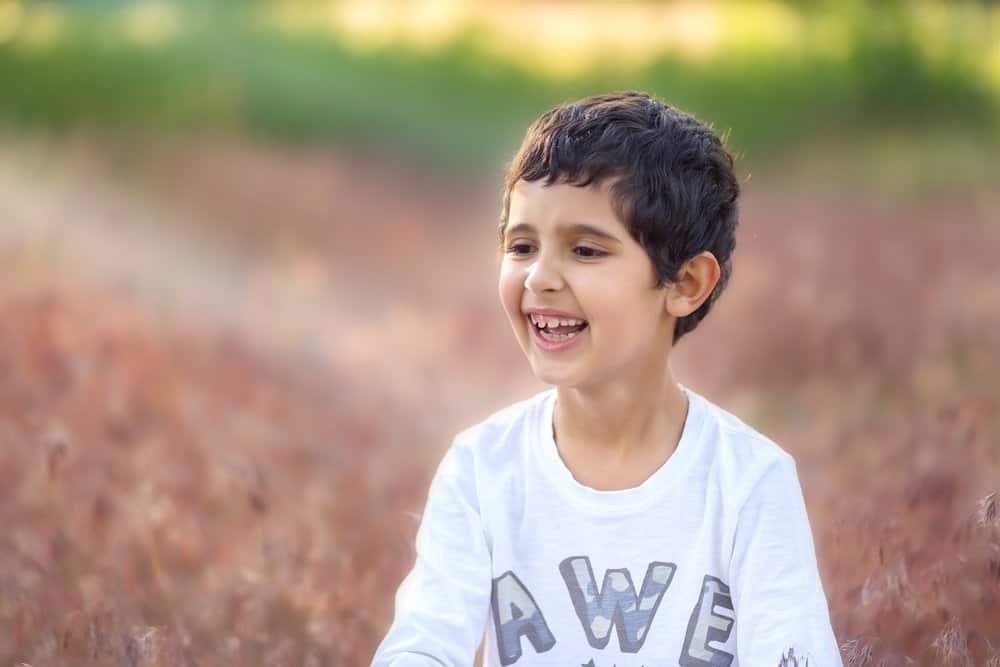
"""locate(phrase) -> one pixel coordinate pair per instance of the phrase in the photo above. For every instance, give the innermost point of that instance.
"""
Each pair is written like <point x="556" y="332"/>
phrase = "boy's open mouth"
<point x="560" y="332"/>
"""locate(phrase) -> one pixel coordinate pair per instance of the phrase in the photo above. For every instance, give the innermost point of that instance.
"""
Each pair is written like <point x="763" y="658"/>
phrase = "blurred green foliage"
<point x="219" y="68"/>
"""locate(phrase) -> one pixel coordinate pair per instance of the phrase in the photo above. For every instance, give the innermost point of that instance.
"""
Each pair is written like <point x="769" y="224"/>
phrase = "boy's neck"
<point x="620" y="427"/>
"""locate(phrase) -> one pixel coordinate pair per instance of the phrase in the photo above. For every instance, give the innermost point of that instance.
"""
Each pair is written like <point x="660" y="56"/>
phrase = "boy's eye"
<point x="588" y="252"/>
<point x="591" y="252"/>
<point x="514" y="247"/>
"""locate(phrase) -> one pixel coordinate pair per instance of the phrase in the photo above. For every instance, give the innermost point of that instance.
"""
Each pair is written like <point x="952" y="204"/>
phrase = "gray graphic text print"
<point x="616" y="603"/>
<point x="515" y="614"/>
<point x="708" y="626"/>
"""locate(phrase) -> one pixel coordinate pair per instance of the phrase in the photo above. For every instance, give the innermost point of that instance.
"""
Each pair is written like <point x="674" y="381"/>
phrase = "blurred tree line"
<point x="854" y="70"/>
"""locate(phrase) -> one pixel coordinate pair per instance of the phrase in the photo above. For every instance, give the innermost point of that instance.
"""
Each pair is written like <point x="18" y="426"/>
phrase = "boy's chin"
<point x="555" y="377"/>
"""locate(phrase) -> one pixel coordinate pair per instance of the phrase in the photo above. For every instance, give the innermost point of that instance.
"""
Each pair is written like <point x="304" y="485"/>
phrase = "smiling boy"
<point x="619" y="518"/>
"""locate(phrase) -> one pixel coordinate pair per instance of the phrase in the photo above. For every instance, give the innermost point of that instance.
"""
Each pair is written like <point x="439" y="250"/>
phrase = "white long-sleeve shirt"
<point x="709" y="562"/>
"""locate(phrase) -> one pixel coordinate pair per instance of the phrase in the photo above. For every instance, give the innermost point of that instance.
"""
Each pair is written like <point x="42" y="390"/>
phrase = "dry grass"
<point x="174" y="501"/>
<point x="181" y="493"/>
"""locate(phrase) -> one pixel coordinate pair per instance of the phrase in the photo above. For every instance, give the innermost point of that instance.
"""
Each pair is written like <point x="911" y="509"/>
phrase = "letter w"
<point x="616" y="603"/>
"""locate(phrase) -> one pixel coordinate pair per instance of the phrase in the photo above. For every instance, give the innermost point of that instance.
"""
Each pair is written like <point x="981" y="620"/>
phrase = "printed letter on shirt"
<point x="706" y="626"/>
<point x="616" y="603"/>
<point x="514" y="614"/>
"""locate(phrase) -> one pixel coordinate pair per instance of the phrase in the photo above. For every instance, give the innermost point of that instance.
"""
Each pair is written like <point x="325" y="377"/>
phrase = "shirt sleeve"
<point x="443" y="602"/>
<point x="780" y="604"/>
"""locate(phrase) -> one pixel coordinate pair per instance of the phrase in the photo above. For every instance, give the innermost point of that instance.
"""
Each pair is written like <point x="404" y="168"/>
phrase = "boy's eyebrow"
<point x="565" y="230"/>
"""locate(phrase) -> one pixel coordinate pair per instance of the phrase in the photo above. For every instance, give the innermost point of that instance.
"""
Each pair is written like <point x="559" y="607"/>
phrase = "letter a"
<point x="514" y="614"/>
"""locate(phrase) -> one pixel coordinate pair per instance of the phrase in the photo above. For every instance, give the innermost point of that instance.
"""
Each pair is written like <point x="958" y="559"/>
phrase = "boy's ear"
<point x="695" y="282"/>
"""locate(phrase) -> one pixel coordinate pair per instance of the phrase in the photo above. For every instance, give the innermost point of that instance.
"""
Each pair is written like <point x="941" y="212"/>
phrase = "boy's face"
<point x="550" y="263"/>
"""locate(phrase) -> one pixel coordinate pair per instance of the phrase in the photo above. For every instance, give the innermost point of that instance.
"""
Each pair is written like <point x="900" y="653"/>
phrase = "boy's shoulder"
<point x="513" y="421"/>
<point x="735" y="427"/>
<point x="744" y="453"/>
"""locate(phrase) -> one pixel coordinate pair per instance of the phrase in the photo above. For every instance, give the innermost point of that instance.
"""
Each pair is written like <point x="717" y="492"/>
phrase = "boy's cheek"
<point x="510" y="295"/>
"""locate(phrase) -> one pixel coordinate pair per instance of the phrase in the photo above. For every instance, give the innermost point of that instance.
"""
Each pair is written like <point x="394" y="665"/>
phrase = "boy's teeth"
<point x="542" y="322"/>
<point x="558" y="337"/>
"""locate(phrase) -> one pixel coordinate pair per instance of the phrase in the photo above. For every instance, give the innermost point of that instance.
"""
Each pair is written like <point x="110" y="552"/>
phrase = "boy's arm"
<point x="443" y="603"/>
<point x="777" y="593"/>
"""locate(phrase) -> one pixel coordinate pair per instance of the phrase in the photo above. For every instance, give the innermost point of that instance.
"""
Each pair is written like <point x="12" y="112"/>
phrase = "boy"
<point x="618" y="519"/>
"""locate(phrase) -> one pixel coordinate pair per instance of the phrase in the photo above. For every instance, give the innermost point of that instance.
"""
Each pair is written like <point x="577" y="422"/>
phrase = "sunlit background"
<point x="248" y="296"/>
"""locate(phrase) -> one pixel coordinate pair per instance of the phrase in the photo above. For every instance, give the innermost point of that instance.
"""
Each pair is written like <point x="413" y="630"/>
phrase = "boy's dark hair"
<point x="675" y="189"/>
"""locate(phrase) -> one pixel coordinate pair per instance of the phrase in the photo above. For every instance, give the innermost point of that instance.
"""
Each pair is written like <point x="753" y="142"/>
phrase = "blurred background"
<point x="248" y="296"/>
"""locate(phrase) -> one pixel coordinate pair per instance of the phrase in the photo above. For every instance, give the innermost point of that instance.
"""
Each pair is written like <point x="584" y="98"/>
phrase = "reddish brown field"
<point x="228" y="373"/>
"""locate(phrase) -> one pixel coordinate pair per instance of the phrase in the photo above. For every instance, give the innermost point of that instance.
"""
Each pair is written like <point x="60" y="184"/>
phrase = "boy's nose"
<point x="542" y="275"/>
